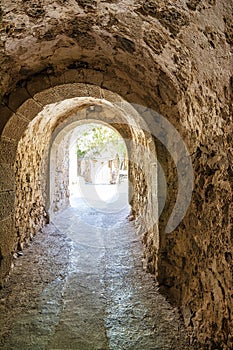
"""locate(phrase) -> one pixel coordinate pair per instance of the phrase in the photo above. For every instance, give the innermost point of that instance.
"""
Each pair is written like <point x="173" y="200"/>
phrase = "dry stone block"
<point x="15" y="128"/>
<point x="7" y="151"/>
<point x="7" y="204"/>
<point x="29" y="109"/>
<point x="7" y="234"/>
<point x="7" y="177"/>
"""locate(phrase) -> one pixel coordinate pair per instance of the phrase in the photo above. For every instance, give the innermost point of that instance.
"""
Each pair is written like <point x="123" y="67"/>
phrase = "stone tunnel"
<point x="159" y="73"/>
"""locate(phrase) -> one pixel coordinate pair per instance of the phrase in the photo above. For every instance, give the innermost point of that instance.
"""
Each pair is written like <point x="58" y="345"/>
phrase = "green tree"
<point x="96" y="139"/>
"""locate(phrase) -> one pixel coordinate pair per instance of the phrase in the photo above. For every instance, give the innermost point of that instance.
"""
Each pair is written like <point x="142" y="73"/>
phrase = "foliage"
<point x="96" y="140"/>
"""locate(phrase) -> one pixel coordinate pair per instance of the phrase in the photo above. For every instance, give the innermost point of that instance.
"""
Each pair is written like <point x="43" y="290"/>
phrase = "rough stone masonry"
<point x="172" y="57"/>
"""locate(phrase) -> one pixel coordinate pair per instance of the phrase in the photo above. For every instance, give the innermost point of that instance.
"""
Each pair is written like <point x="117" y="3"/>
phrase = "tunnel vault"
<point x="64" y="137"/>
<point x="169" y="59"/>
<point x="166" y="256"/>
<point x="97" y="111"/>
<point x="33" y="169"/>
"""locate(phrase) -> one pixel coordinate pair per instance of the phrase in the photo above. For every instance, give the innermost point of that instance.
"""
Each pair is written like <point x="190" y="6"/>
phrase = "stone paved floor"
<point x="80" y="285"/>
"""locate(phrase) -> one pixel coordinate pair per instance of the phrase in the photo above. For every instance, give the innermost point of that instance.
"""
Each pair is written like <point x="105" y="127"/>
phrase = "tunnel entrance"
<point x="66" y="62"/>
<point x="43" y="177"/>
<point x="98" y="168"/>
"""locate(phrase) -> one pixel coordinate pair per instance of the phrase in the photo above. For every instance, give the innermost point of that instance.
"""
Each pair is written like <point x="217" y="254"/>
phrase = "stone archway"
<point x="59" y="154"/>
<point x="169" y="65"/>
<point x="12" y="132"/>
<point x="58" y="96"/>
<point x="40" y="135"/>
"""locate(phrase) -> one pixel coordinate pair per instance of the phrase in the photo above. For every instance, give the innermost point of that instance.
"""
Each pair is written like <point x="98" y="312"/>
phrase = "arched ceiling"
<point x="57" y="108"/>
<point x="149" y="53"/>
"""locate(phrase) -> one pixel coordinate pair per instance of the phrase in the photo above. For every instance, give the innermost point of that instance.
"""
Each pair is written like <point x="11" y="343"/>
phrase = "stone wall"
<point x="59" y="176"/>
<point x="143" y="170"/>
<point x="199" y="252"/>
<point x="31" y="168"/>
<point x="172" y="57"/>
<point x="42" y="170"/>
<point x="7" y="196"/>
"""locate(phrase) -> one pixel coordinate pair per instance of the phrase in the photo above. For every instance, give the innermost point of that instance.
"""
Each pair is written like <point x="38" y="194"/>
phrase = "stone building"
<point x="160" y="73"/>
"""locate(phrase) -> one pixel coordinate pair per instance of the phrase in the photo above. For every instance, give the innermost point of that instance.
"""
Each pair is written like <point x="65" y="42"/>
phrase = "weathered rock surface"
<point x="175" y="57"/>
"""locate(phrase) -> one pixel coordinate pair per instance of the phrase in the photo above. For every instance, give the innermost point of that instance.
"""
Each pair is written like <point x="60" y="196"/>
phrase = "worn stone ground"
<point x="80" y="285"/>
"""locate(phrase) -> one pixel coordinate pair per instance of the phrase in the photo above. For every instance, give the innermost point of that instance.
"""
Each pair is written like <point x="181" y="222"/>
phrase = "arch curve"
<point x="32" y="164"/>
